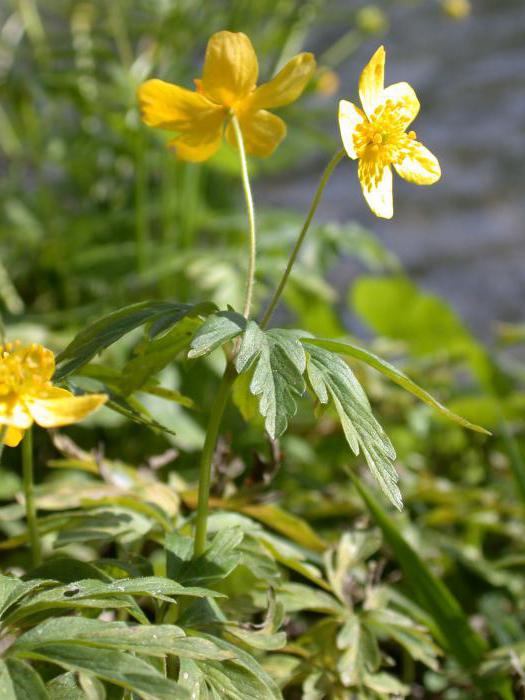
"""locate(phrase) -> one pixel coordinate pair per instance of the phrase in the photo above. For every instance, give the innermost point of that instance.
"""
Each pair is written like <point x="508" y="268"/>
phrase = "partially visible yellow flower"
<point x="28" y="396"/>
<point x="377" y="136"/>
<point x="457" y="9"/>
<point x="228" y="85"/>
<point x="328" y="82"/>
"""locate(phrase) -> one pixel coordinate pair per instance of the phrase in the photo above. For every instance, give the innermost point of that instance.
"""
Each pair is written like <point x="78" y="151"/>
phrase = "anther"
<point x="411" y="135"/>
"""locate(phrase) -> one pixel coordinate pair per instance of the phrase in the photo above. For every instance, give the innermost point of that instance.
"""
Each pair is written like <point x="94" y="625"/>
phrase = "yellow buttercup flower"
<point x="228" y="85"/>
<point x="28" y="396"/>
<point x="376" y="135"/>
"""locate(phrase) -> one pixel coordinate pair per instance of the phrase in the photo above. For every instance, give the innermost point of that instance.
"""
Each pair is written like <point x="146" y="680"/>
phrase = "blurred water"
<point x="465" y="236"/>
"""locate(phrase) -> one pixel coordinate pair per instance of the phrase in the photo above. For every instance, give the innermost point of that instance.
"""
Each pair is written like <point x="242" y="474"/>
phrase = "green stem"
<point x="141" y="216"/>
<point x="250" y="279"/>
<point x="29" y="497"/>
<point x="313" y="208"/>
<point x="208" y="450"/>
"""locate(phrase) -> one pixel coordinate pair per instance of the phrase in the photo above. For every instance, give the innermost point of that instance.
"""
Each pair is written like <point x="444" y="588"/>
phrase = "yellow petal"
<point x="376" y="183"/>
<point x="230" y="68"/>
<point x="167" y="106"/>
<point x="350" y="117"/>
<point x="16" y="416"/>
<point x="262" y="132"/>
<point x="419" y="165"/>
<point x="12" y="436"/>
<point x="287" y="85"/>
<point x="197" y="146"/>
<point x="372" y="81"/>
<point x="401" y="103"/>
<point x="57" y="407"/>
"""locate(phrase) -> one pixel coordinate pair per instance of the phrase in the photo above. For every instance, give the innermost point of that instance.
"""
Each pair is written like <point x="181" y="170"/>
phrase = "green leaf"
<point x="218" y="560"/>
<point x="150" y="640"/>
<point x="333" y="381"/>
<point x="19" y="681"/>
<point x="108" y="329"/>
<point x="156" y="354"/>
<point x="451" y="626"/>
<point x="215" y="331"/>
<point x="90" y="593"/>
<point x="65" y="687"/>
<point x="395" y="375"/>
<point x="279" y="363"/>
<point x="118" y="667"/>
<point x="13" y="589"/>
<point x="239" y="679"/>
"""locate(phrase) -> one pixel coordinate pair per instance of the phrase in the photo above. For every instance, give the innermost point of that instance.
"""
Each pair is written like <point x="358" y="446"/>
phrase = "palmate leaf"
<point x="105" y="331"/>
<point x="395" y="375"/>
<point x="334" y="382"/>
<point x="279" y="362"/>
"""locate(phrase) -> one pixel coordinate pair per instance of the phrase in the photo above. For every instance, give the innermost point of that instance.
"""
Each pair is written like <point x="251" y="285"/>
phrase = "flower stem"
<point x="208" y="450"/>
<point x="250" y="280"/>
<point x="29" y="497"/>
<point x="293" y="256"/>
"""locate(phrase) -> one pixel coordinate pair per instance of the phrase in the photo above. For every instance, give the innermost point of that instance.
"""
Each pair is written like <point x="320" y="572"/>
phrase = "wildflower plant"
<point x="276" y="367"/>
<point x="167" y="630"/>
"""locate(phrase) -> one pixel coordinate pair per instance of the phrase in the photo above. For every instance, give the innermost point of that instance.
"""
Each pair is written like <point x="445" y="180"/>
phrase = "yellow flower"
<point x="377" y="137"/>
<point x="228" y="85"/>
<point x="27" y="395"/>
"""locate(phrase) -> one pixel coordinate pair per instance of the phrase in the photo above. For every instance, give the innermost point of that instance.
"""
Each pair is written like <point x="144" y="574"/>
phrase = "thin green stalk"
<point x="297" y="247"/>
<point x="141" y="216"/>
<point x="250" y="279"/>
<point x="208" y="450"/>
<point x="29" y="497"/>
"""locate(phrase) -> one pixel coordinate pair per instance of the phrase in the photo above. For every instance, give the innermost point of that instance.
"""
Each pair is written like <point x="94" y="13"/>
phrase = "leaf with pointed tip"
<point x="215" y="331"/>
<point x="278" y="361"/>
<point x="333" y="381"/>
<point x="395" y="375"/>
<point x="105" y="331"/>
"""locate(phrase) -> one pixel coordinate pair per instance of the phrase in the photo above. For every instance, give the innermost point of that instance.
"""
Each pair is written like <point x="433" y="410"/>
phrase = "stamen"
<point x="411" y="135"/>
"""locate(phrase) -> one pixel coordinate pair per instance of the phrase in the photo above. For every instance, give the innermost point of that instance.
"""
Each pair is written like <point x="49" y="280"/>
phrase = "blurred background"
<point x="94" y="211"/>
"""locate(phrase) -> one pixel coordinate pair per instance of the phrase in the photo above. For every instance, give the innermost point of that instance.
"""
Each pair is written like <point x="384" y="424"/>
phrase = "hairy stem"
<point x="297" y="247"/>
<point x="208" y="450"/>
<point x="250" y="280"/>
<point x="29" y="497"/>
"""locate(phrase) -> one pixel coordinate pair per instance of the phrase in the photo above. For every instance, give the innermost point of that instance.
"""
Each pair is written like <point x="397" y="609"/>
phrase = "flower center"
<point x="23" y="368"/>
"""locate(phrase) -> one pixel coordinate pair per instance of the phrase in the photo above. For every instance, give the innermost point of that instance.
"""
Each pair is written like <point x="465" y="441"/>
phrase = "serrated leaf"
<point x="333" y="381"/>
<point x="215" y="331"/>
<point x="395" y="375"/>
<point x="105" y="331"/>
<point x="278" y="362"/>
<point x="118" y="667"/>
